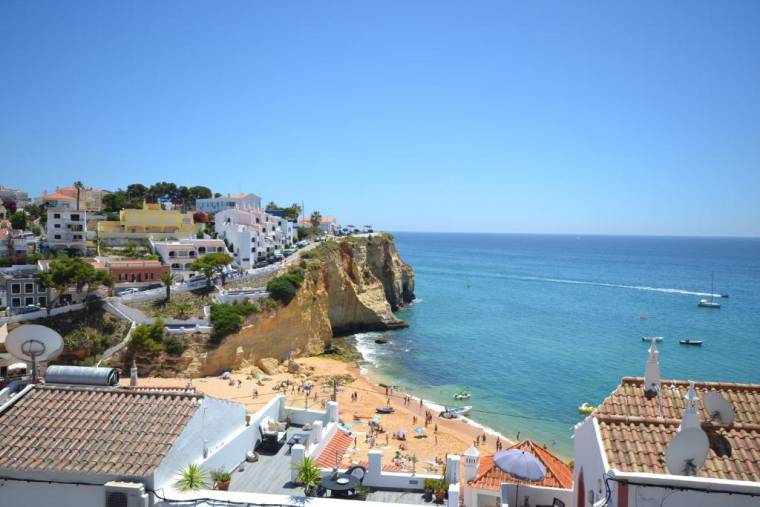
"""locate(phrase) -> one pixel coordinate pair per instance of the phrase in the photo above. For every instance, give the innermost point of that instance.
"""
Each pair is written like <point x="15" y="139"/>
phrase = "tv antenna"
<point x="719" y="408"/>
<point x="32" y="343"/>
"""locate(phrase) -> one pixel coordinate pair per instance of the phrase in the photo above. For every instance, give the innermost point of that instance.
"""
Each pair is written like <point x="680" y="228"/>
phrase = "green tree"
<point x="315" y="220"/>
<point x="79" y="186"/>
<point x="283" y="288"/>
<point x="211" y="264"/>
<point x="18" y="220"/>
<point x="293" y="211"/>
<point x="148" y="338"/>
<point x="66" y="273"/>
<point x="168" y="279"/>
<point x="272" y="206"/>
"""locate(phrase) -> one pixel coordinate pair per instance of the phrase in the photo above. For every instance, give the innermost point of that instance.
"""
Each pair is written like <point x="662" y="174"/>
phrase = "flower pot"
<point x="439" y="496"/>
<point x="223" y="485"/>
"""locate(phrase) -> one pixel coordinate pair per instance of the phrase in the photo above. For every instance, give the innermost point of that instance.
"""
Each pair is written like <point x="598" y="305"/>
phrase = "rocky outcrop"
<point x="351" y="285"/>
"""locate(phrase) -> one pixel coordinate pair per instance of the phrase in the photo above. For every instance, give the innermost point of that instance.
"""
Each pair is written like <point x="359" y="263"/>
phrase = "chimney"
<point x="471" y="463"/>
<point x="690" y="409"/>
<point x="652" y="373"/>
<point x="133" y="374"/>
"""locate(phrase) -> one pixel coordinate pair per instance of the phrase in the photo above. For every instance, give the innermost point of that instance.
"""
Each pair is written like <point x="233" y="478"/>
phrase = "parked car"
<point x="131" y="290"/>
<point x="27" y="309"/>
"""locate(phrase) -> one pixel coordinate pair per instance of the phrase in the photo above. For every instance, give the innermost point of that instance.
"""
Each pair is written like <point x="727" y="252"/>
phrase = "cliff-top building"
<point x="231" y="201"/>
<point x="253" y="235"/>
<point x="150" y="222"/>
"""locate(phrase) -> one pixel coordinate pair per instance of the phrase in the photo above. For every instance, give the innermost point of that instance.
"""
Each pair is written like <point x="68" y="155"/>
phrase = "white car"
<point x="129" y="291"/>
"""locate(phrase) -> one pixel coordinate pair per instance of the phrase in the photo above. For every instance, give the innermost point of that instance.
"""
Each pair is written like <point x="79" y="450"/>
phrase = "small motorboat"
<point x="708" y="303"/>
<point x="687" y="341"/>
<point x="381" y="341"/>
<point x="385" y="410"/>
<point x="724" y="296"/>
<point x="454" y="412"/>
<point x="463" y="394"/>
<point x="651" y="338"/>
<point x="586" y="409"/>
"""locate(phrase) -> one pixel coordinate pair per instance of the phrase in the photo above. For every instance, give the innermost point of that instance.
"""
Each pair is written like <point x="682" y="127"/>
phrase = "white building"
<point x="625" y="456"/>
<point x="21" y="197"/>
<point x="232" y="201"/>
<point x="17" y="242"/>
<point x="84" y="445"/>
<point x="67" y="229"/>
<point x="253" y="235"/>
<point x="179" y="255"/>
<point x="327" y="225"/>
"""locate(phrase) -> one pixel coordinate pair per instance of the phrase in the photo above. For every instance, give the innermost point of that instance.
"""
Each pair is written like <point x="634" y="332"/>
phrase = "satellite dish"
<point x="33" y="343"/>
<point x="719" y="408"/>
<point x="687" y="452"/>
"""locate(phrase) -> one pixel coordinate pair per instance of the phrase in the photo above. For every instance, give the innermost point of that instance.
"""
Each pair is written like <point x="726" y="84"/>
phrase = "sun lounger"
<point x="273" y="433"/>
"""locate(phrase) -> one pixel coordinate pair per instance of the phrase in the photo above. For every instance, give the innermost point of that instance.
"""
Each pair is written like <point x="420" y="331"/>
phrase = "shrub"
<point x="228" y="319"/>
<point x="174" y="346"/>
<point x="283" y="288"/>
<point x="148" y="338"/>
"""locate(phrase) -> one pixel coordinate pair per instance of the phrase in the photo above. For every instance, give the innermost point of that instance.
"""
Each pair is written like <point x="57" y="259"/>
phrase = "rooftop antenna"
<point x="688" y="450"/>
<point x="719" y="408"/>
<point x="33" y="343"/>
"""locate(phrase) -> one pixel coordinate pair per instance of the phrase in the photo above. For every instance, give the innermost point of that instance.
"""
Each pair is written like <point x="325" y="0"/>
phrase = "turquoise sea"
<point x="537" y="324"/>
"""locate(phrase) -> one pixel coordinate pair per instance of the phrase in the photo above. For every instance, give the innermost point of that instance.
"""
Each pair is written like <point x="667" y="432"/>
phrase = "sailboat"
<point x="710" y="303"/>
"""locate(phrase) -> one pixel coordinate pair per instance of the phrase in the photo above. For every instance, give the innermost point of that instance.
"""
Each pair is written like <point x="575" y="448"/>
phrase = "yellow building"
<point x="149" y="222"/>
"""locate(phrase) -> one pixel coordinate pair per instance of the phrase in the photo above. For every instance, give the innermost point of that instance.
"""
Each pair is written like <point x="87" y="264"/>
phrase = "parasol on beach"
<point x="419" y="430"/>
<point x="376" y="419"/>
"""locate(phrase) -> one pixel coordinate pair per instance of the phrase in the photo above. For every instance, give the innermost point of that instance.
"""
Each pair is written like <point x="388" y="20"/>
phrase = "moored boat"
<point x="651" y="338"/>
<point x="687" y="341"/>
<point x="454" y="412"/>
<point x="463" y="394"/>
<point x="586" y="409"/>
<point x="706" y="303"/>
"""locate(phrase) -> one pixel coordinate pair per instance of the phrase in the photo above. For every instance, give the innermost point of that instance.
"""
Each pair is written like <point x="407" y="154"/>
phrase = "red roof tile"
<point x="635" y="435"/>
<point x="491" y="477"/>
<point x="334" y="450"/>
<point x="92" y="430"/>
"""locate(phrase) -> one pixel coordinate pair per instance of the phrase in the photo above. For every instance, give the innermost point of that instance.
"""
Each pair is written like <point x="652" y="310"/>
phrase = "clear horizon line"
<point x="641" y="235"/>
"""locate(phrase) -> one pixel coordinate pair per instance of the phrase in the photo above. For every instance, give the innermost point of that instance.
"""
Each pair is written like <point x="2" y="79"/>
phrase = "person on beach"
<point x="255" y="393"/>
<point x="435" y="429"/>
<point x="420" y="402"/>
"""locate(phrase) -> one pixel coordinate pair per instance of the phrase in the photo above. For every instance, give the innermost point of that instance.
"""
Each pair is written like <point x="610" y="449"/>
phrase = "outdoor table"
<point x="298" y="438"/>
<point x="341" y="484"/>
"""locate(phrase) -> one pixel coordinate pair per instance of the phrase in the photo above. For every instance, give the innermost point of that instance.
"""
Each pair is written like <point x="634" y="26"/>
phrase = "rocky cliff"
<point x="350" y="285"/>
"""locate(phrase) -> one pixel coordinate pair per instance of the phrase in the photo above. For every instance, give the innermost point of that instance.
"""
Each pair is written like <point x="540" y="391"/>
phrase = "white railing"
<point x="23" y="317"/>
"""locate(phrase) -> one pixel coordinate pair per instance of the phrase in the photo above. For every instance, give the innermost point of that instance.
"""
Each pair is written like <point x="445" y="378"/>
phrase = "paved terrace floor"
<point x="271" y="474"/>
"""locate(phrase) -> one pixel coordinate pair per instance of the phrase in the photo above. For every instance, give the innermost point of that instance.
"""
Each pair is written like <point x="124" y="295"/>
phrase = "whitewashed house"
<point x="231" y="201"/>
<point x="179" y="255"/>
<point x="625" y="456"/>
<point x="67" y="228"/>
<point x="253" y="235"/>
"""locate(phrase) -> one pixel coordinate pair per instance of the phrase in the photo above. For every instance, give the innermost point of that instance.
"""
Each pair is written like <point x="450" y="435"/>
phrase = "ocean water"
<point x="535" y="325"/>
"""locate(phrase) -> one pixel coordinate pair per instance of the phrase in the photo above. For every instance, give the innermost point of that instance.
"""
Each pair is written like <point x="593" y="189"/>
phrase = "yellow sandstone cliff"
<point x="351" y="285"/>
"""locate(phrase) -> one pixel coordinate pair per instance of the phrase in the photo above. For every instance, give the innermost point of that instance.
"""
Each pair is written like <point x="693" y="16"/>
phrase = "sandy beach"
<point x="358" y="400"/>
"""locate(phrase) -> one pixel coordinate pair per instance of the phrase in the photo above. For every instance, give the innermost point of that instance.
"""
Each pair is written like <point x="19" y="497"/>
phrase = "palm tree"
<point x="191" y="478"/>
<point x="308" y="475"/>
<point x="315" y="219"/>
<point x="79" y="186"/>
<point x="168" y="279"/>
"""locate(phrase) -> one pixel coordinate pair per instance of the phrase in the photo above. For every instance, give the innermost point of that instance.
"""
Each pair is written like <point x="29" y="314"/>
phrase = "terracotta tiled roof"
<point x="491" y="477"/>
<point x="92" y="430"/>
<point x="336" y="447"/>
<point x="57" y="196"/>
<point x="635" y="436"/>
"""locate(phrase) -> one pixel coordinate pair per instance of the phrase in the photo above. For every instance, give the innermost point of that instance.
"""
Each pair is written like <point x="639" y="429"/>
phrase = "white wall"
<point x="300" y="416"/>
<point x="646" y="496"/>
<point x="537" y="495"/>
<point x="377" y="478"/>
<point x="214" y="424"/>
<point x="589" y="458"/>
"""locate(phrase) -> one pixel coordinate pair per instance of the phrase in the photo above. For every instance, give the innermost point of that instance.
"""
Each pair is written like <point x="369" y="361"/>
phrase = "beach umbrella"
<point x="520" y="464"/>
<point x="419" y="430"/>
<point x="376" y="419"/>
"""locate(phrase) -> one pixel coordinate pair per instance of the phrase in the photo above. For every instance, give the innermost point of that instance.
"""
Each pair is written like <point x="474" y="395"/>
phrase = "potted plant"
<point x="221" y="479"/>
<point x="308" y="475"/>
<point x="360" y="492"/>
<point x="428" y="487"/>
<point x="440" y="491"/>
<point x="191" y="478"/>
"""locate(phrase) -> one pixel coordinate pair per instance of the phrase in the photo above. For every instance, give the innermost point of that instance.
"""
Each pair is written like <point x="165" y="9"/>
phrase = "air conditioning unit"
<point x="125" y="494"/>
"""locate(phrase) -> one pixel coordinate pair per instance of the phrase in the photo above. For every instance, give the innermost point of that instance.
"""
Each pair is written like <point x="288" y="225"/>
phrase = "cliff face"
<point x="350" y="286"/>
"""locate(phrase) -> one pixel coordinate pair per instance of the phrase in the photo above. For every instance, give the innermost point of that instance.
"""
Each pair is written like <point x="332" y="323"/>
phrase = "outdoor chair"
<point x="357" y="471"/>
<point x="273" y="434"/>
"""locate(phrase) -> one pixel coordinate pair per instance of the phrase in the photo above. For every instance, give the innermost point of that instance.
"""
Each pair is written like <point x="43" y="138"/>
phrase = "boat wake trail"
<point x="616" y="286"/>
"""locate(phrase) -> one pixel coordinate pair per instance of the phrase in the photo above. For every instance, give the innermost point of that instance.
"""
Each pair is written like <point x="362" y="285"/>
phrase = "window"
<point x="201" y="249"/>
<point x="75" y="218"/>
<point x="29" y="300"/>
<point x="57" y="236"/>
<point x="135" y="277"/>
<point x="57" y="216"/>
<point x="175" y="266"/>
<point x="42" y="301"/>
<point x="16" y="302"/>
<point x="172" y="253"/>
<point x="16" y="288"/>
<point x="122" y="277"/>
<point x="149" y="276"/>
<point x="29" y="288"/>
<point x="57" y="226"/>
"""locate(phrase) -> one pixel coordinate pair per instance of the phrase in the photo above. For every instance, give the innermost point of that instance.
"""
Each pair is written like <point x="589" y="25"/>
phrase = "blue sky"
<point x="569" y="117"/>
